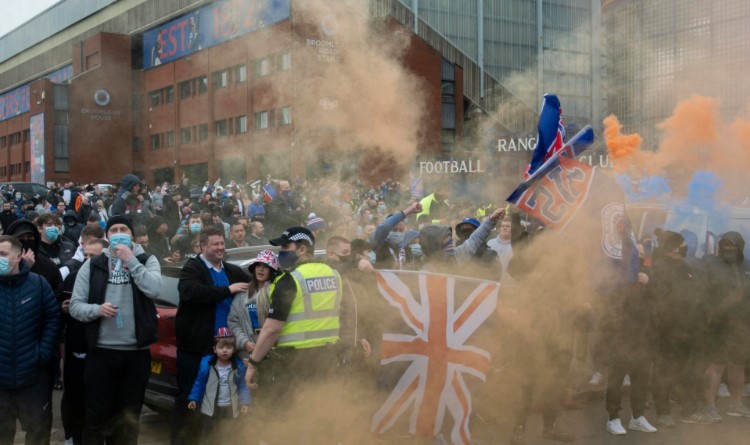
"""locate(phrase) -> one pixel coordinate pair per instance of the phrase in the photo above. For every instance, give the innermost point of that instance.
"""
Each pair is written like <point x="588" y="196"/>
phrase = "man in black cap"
<point x="28" y="234"/>
<point x="306" y="339"/>
<point x="114" y="296"/>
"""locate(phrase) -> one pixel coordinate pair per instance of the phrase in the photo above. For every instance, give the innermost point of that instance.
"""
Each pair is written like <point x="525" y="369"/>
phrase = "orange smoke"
<point x="623" y="149"/>
<point x="691" y="136"/>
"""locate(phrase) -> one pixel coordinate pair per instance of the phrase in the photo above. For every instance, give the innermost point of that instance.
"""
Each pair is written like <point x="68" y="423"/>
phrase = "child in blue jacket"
<point x="220" y="389"/>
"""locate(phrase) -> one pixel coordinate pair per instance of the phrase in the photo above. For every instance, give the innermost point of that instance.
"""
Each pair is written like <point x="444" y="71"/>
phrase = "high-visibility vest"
<point x="313" y="318"/>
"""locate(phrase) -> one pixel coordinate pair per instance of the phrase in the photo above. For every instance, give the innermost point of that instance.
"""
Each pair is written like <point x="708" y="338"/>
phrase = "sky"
<point x="17" y="12"/>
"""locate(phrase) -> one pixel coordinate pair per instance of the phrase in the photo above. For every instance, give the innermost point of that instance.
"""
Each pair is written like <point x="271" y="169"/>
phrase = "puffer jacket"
<point x="30" y="321"/>
<point x="205" y="390"/>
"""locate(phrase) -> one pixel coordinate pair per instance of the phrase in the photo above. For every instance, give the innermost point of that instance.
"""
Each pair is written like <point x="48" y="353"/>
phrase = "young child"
<point x="220" y="389"/>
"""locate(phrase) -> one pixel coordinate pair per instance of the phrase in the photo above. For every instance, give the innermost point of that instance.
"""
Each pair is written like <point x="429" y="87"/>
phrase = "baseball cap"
<point x="294" y="234"/>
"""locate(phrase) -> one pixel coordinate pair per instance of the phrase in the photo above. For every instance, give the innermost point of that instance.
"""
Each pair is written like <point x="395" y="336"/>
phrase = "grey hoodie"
<point x="120" y="293"/>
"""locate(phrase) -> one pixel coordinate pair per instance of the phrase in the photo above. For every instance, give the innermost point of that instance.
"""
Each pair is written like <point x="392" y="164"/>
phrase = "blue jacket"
<point x="30" y="321"/>
<point x="205" y="390"/>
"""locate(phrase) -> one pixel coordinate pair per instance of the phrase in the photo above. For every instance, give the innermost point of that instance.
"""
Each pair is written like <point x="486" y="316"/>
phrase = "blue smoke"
<point x="648" y="189"/>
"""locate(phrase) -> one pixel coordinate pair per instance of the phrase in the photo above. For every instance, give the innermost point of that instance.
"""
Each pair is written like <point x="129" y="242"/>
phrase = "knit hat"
<point x="266" y="257"/>
<point x="119" y="219"/>
<point x="223" y="332"/>
<point x="315" y="223"/>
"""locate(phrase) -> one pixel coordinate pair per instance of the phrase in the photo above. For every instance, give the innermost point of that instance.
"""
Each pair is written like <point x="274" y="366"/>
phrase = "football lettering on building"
<point x="451" y="167"/>
<point x="321" y="284"/>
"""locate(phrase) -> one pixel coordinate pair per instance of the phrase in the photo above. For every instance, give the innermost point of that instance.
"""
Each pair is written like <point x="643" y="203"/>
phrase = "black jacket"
<point x="59" y="252"/>
<point x="194" y="323"/>
<point x="7" y="218"/>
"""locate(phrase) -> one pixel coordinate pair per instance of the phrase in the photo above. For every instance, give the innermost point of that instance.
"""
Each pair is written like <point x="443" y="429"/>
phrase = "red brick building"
<point x="141" y="102"/>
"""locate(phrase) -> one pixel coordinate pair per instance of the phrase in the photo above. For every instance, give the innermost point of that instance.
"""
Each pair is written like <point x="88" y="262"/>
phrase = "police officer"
<point x="304" y="312"/>
<point x="303" y="320"/>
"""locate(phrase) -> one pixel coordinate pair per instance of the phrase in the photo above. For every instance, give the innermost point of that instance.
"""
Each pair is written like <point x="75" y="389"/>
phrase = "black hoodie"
<point x="727" y="288"/>
<point x="42" y="265"/>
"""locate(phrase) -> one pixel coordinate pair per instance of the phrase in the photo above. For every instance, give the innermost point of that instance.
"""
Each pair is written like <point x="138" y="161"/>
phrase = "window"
<point x="241" y="124"/>
<point x="261" y="120"/>
<point x="13" y="169"/>
<point x="203" y="132"/>
<point x="170" y="138"/>
<point x="240" y="74"/>
<point x="202" y="84"/>
<point x="221" y="79"/>
<point x="220" y="127"/>
<point x="154" y="97"/>
<point x="262" y="67"/>
<point x="185" y="135"/>
<point x="154" y="141"/>
<point x="285" y="116"/>
<point x="3" y="141"/>
<point x="136" y="143"/>
<point x="26" y="136"/>
<point x="27" y="166"/>
<point x="185" y="89"/>
<point x="169" y="94"/>
<point x="285" y="61"/>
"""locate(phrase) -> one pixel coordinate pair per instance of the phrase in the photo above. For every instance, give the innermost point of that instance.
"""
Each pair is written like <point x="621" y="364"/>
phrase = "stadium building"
<point x="94" y="89"/>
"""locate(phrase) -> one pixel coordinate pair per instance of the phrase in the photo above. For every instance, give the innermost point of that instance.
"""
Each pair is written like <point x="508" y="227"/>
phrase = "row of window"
<point x="222" y="78"/>
<point x="15" y="169"/>
<point x="15" y="138"/>
<point x="222" y="128"/>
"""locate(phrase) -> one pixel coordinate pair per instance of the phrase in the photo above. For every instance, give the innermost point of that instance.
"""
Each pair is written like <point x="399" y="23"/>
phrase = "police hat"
<point x="294" y="235"/>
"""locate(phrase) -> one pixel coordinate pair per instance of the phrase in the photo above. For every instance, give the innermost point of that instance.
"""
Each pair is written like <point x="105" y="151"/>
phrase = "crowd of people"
<point x="80" y="270"/>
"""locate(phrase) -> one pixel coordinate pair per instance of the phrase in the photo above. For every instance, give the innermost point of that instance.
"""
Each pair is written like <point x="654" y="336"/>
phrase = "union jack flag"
<point x="446" y="315"/>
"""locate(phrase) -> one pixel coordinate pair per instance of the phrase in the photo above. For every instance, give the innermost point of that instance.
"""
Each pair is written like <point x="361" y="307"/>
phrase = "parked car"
<point x="162" y="386"/>
<point x="29" y="189"/>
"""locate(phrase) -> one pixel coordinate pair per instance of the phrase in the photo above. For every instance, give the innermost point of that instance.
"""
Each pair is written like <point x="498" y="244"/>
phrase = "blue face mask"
<point x="416" y="250"/>
<point x="120" y="239"/>
<point x="287" y="259"/>
<point x="195" y="228"/>
<point x="5" y="266"/>
<point x="372" y="257"/>
<point x="52" y="233"/>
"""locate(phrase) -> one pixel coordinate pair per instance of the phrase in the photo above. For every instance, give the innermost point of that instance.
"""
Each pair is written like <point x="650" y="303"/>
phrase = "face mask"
<point x="52" y="233"/>
<point x="287" y="259"/>
<point x="381" y="208"/>
<point x="5" y="266"/>
<point x="286" y="193"/>
<point x="730" y="256"/>
<point x="416" y="250"/>
<point x="195" y="228"/>
<point x="18" y="196"/>
<point x="120" y="239"/>
<point x="395" y="238"/>
<point x="369" y="218"/>
<point x="372" y="257"/>
<point x="28" y="244"/>
<point x="448" y="245"/>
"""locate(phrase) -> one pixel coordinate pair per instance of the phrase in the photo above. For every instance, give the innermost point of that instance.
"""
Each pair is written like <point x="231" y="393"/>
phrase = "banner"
<point x="37" y="148"/>
<point x="441" y="315"/>
<point x="18" y="100"/>
<point x="208" y="26"/>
